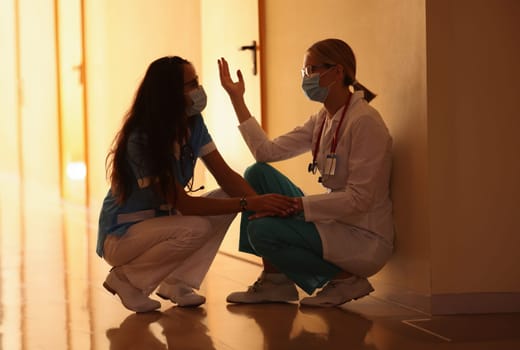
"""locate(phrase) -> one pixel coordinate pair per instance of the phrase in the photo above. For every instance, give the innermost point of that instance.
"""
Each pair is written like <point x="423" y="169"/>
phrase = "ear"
<point x="340" y="71"/>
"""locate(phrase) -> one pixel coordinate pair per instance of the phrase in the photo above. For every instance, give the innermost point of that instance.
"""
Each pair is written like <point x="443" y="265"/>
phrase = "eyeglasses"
<point x="308" y="70"/>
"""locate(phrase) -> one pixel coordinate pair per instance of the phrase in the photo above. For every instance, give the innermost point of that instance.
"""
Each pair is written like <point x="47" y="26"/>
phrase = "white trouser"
<point x="168" y="248"/>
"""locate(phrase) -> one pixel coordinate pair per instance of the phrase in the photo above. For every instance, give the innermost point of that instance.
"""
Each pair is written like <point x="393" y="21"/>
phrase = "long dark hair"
<point x="158" y="113"/>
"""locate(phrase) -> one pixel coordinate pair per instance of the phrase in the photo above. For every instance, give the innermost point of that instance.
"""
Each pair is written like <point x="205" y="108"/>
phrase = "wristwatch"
<point x="243" y="204"/>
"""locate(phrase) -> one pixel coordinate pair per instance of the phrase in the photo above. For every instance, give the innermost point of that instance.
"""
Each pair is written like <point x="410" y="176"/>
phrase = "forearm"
<point x="208" y="206"/>
<point x="235" y="186"/>
<point x="268" y="204"/>
<point x="336" y="205"/>
<point x="240" y="108"/>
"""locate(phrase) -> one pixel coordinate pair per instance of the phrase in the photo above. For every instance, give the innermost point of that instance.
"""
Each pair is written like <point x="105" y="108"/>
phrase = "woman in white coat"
<point x="340" y="237"/>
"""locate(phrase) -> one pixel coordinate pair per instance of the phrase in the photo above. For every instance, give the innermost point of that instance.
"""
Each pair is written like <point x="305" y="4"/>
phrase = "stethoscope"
<point x="332" y="155"/>
<point x="187" y="155"/>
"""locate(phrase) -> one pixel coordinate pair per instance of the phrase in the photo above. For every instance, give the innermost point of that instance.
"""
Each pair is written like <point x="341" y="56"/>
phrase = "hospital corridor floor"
<point x="52" y="298"/>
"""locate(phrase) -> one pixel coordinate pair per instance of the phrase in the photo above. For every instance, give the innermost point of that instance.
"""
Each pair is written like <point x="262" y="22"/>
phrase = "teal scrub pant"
<point x="290" y="244"/>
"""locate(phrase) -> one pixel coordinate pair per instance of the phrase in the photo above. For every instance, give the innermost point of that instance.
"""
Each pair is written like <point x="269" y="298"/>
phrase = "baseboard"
<point x="406" y="298"/>
<point x="475" y="303"/>
<point x="448" y="304"/>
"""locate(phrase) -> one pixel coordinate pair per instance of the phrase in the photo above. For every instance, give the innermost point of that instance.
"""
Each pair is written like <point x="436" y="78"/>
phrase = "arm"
<point x="267" y="204"/>
<point x="286" y="146"/>
<point x="235" y="186"/>
<point x="231" y="182"/>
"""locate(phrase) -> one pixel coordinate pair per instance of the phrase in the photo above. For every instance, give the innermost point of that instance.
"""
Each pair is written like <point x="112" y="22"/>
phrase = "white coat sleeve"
<point x="286" y="146"/>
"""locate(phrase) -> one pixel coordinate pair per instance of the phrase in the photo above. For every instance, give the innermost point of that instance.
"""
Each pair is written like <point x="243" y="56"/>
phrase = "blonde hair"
<point x="336" y="51"/>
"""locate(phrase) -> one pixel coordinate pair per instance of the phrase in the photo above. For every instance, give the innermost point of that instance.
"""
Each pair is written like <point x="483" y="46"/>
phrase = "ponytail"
<point x="369" y="95"/>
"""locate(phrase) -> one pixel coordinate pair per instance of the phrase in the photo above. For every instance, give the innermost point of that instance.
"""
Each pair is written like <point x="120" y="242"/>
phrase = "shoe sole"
<point x="262" y="301"/>
<point x="162" y="296"/>
<point x="112" y="291"/>
<point x="332" y="305"/>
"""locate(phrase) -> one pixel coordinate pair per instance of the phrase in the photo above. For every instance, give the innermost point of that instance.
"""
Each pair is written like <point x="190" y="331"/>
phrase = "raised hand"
<point x="234" y="89"/>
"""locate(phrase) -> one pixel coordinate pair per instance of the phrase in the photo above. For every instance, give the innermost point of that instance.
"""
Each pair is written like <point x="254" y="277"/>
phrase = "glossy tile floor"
<point x="52" y="298"/>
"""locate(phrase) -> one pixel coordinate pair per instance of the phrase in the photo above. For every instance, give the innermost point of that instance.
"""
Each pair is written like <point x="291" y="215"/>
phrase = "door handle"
<point x="253" y="48"/>
<point x="79" y="69"/>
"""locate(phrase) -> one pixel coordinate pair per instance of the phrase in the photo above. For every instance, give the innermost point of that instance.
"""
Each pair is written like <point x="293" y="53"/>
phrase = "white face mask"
<point x="199" y="98"/>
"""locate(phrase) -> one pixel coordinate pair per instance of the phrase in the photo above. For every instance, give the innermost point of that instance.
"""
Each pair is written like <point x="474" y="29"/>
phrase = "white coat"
<point x="357" y="197"/>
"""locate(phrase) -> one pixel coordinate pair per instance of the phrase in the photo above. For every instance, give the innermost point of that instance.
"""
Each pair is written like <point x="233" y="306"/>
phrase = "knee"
<point x="256" y="171"/>
<point x="195" y="234"/>
<point x="261" y="235"/>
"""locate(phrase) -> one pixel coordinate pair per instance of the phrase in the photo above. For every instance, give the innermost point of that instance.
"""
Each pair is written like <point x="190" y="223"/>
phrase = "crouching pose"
<point x="151" y="230"/>
<point x="341" y="237"/>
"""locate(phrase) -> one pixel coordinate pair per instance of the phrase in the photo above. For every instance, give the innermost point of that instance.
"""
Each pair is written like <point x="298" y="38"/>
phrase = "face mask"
<point x="199" y="98"/>
<point x="313" y="90"/>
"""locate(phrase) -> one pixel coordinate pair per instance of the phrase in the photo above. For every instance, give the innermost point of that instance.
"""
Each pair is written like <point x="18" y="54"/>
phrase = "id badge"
<point x="330" y="164"/>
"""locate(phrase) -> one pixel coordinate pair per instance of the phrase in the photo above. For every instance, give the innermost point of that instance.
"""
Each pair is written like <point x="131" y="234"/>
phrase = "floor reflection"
<point x="185" y="328"/>
<point x="175" y="328"/>
<point x="52" y="298"/>
<point x="137" y="325"/>
<point x="288" y="326"/>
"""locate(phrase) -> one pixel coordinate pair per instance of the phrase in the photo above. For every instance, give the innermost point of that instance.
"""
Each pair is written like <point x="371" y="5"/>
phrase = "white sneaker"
<point x="268" y="288"/>
<point x="131" y="297"/>
<point x="338" y="292"/>
<point x="180" y="294"/>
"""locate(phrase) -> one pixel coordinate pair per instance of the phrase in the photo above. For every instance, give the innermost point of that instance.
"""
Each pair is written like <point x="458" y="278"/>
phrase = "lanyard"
<point x="334" y="139"/>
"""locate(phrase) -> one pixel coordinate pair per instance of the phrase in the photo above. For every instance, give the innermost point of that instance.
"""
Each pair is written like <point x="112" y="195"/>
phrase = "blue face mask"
<point x="199" y="98"/>
<point x="313" y="90"/>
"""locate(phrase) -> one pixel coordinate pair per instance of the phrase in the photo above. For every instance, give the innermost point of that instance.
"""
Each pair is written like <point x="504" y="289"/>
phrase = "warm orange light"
<point x="76" y="171"/>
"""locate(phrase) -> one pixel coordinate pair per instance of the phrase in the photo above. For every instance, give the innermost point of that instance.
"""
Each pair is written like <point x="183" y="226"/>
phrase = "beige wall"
<point x="473" y="125"/>
<point x="388" y="38"/>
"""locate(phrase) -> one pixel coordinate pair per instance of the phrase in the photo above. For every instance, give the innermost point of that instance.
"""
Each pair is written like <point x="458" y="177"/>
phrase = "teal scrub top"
<point x="145" y="198"/>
